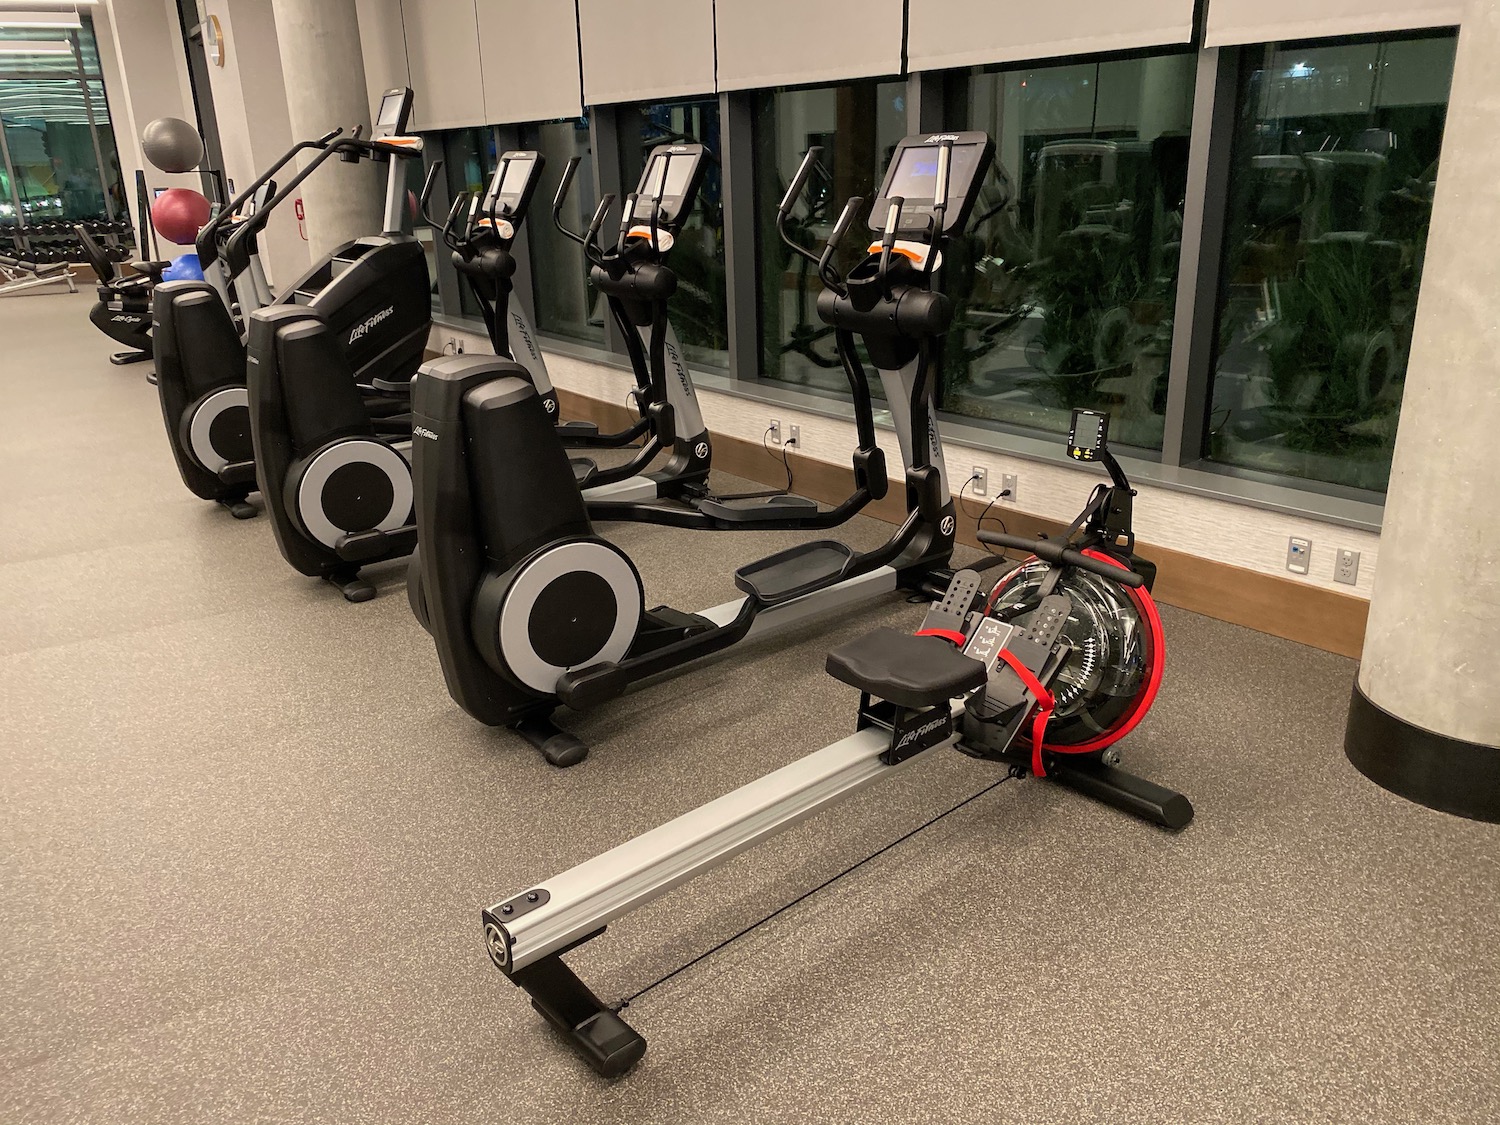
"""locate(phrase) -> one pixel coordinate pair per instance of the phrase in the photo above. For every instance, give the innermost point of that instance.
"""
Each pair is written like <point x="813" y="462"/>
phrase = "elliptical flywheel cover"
<point x="570" y="605"/>
<point x="218" y="432"/>
<point x="350" y="486"/>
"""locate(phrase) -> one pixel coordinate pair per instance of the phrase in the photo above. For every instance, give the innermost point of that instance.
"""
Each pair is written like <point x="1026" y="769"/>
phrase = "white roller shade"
<point x="442" y="49"/>
<point x="796" y="42"/>
<point x="529" y="50"/>
<point x="950" y="33"/>
<point x="384" y="47"/>
<point x="646" y="50"/>
<point x="1267" y="21"/>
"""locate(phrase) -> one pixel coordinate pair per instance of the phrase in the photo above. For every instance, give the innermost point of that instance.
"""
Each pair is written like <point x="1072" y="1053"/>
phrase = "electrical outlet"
<point x="775" y="431"/>
<point x="1298" y="555"/>
<point x="1346" y="567"/>
<point x="794" y="435"/>
<point x="981" y="478"/>
<point x="456" y="343"/>
<point x="1009" y="487"/>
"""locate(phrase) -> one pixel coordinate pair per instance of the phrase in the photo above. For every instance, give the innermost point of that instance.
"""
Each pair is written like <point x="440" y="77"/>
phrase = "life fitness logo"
<point x="364" y="328"/>
<point x="549" y="405"/>
<point x="947" y="525"/>
<point x="700" y="451"/>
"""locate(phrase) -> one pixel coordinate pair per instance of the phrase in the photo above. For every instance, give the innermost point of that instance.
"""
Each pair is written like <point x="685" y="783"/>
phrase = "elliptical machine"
<point x="329" y="368"/>
<point x="1043" y="673"/>
<point x="530" y="609"/>
<point x="480" y="231"/>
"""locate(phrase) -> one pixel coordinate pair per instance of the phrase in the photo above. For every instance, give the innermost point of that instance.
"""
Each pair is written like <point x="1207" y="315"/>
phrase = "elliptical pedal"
<point x="749" y="509"/>
<point x="796" y="571"/>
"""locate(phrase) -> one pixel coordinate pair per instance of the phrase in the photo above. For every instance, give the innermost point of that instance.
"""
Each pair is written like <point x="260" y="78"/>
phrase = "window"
<point x="1334" y="166"/>
<point x="857" y="125"/>
<point x="698" y="309"/>
<point x="566" y="304"/>
<point x="1064" y="292"/>
<point x="58" y="158"/>
<point x="469" y="156"/>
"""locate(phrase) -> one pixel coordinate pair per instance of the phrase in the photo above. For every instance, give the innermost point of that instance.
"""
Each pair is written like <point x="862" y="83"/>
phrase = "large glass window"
<point x="1065" y="288"/>
<point x="57" y="150"/>
<point x="857" y="125"/>
<point x="1335" y="163"/>
<point x="566" y="304"/>
<point x="698" y="309"/>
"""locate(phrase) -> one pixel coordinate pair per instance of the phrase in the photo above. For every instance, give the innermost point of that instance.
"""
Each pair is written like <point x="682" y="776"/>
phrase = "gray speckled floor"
<point x="247" y="836"/>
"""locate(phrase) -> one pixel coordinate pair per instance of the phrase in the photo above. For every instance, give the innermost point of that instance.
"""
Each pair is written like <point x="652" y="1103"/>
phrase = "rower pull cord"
<point x="625" y="1003"/>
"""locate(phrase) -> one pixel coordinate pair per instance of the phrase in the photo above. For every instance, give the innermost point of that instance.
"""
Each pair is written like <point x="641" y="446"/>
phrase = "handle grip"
<point x="1049" y="551"/>
<point x="799" y="181"/>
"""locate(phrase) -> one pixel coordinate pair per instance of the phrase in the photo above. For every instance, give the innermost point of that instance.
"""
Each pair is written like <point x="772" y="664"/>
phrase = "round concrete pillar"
<point x="1425" y="719"/>
<point x="324" y="70"/>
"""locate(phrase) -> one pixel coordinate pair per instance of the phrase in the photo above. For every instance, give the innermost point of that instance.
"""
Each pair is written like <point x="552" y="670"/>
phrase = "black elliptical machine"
<point x="1042" y="672"/>
<point x="329" y="372"/>
<point x="530" y="609"/>
<point x="480" y="231"/>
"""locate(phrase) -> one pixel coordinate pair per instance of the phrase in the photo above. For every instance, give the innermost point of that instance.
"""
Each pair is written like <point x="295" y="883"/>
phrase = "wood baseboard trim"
<point x="1310" y="615"/>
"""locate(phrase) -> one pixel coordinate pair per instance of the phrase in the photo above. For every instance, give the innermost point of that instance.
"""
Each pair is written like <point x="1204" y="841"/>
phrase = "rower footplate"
<point x="791" y="573"/>
<point x="909" y="671"/>
<point x="733" y="509"/>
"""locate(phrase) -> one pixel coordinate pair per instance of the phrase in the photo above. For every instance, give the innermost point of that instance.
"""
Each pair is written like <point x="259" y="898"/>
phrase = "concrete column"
<point x="323" y="66"/>
<point x="1425" y="721"/>
<point x="250" y="102"/>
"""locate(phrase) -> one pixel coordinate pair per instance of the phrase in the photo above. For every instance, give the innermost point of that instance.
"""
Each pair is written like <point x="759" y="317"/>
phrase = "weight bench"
<point x="19" y="274"/>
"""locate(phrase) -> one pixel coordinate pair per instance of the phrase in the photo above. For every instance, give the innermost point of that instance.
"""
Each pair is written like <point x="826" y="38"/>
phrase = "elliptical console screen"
<point x="513" y="183"/>
<point x="682" y="175"/>
<point x="913" y="176"/>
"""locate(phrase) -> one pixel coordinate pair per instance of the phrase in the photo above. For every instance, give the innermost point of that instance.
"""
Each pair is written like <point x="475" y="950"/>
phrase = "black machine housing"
<point x="529" y="608"/>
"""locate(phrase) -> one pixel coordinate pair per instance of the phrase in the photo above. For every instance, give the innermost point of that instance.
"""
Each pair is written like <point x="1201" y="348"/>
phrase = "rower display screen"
<point x="1089" y="432"/>
<point x="915" y="175"/>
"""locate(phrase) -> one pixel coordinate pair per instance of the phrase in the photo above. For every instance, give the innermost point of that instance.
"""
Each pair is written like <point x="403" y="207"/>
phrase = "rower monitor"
<point x="512" y="185"/>
<point x="913" y="175"/>
<point x="395" y="110"/>
<point x="676" y="171"/>
<point x="1088" y="436"/>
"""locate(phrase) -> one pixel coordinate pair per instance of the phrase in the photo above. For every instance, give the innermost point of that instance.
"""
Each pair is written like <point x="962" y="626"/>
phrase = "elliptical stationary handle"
<point x="1049" y="551"/>
<point x="591" y="240"/>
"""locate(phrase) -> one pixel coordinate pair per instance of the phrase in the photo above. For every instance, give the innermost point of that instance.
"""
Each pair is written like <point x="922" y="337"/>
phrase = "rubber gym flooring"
<point x="247" y="837"/>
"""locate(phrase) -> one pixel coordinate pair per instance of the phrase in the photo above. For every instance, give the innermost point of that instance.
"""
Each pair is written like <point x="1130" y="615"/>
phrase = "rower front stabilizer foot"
<point x="596" y="1032"/>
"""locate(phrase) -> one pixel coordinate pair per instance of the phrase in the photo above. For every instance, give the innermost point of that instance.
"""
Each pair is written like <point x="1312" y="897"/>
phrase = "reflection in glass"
<point x="566" y="304"/>
<point x="469" y="155"/>
<point x="1335" y="164"/>
<point x="60" y="158"/>
<point x="857" y="125"/>
<point x="1065" y="288"/>
<point x="697" y="257"/>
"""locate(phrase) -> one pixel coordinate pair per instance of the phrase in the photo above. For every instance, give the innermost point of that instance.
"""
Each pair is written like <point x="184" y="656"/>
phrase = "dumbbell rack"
<point x="53" y="240"/>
